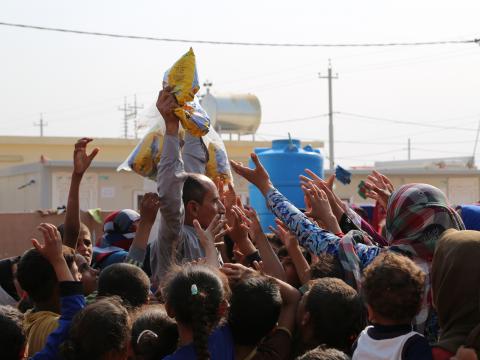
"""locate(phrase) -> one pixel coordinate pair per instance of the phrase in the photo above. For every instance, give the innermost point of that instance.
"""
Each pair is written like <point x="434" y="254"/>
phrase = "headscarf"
<point x="456" y="289"/>
<point x="414" y="210"/>
<point x="411" y="209"/>
<point x="471" y="216"/>
<point x="119" y="231"/>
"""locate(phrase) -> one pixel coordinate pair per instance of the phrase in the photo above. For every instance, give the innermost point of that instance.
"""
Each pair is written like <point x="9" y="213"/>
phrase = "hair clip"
<point x="146" y="332"/>
<point x="194" y="290"/>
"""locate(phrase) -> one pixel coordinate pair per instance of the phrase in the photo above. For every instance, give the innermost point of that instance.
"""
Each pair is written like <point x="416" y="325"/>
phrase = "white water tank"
<point x="235" y="114"/>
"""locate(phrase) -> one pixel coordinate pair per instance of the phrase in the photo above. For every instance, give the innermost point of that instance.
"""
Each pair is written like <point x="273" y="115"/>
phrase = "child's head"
<point x="37" y="277"/>
<point x="89" y="274"/>
<point x="330" y="313"/>
<point x="12" y="341"/>
<point x="154" y="334"/>
<point x="254" y="309"/>
<point x="101" y="330"/>
<point x="126" y="281"/>
<point x="393" y="287"/>
<point x="322" y="353"/>
<point x="327" y="266"/>
<point x="84" y="241"/>
<point x="196" y="296"/>
<point x="288" y="266"/>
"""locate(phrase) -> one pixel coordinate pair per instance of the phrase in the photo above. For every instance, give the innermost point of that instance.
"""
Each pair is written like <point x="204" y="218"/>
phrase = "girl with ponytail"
<point x="196" y="297"/>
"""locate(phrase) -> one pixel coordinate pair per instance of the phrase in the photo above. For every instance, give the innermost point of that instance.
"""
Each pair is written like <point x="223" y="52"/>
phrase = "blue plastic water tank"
<point x="285" y="161"/>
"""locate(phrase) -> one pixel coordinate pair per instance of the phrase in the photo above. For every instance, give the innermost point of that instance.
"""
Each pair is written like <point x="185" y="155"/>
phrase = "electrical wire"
<point x="295" y="120"/>
<point x="211" y="42"/>
<point x="403" y="122"/>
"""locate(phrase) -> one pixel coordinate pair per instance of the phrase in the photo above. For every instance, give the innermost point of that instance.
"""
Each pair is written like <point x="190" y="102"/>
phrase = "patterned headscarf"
<point x="413" y="212"/>
<point x="119" y="229"/>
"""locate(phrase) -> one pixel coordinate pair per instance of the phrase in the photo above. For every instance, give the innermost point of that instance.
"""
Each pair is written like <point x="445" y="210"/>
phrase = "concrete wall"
<point x="17" y="230"/>
<point x="445" y="182"/>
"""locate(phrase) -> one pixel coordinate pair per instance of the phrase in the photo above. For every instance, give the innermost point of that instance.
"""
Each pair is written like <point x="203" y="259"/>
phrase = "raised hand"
<point x="236" y="271"/>
<point x="337" y="205"/>
<point x="215" y="231"/>
<point x="254" y="227"/>
<point x="286" y="237"/>
<point x="257" y="176"/>
<point x="320" y="208"/>
<point x="52" y="249"/>
<point x="379" y="188"/>
<point x="149" y="207"/>
<point x="166" y="104"/>
<point x="82" y="161"/>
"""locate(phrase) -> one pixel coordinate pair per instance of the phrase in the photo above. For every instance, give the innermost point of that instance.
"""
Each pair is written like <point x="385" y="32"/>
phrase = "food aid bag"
<point x="182" y="79"/>
<point x="146" y="155"/>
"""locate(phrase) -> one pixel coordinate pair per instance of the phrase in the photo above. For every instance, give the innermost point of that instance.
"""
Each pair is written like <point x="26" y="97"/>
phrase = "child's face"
<point x="290" y="272"/>
<point x="302" y="320"/>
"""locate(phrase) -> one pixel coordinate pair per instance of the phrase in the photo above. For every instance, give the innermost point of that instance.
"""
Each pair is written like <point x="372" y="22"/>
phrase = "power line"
<point x="404" y="122"/>
<point x="212" y="42"/>
<point x="295" y="119"/>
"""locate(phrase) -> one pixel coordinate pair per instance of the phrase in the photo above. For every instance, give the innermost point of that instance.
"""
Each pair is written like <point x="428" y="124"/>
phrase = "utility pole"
<point x="134" y="113"/>
<point x="125" y="117"/>
<point x="409" y="149"/>
<point x="476" y="142"/>
<point x="41" y="124"/>
<point x="129" y="112"/>
<point x="331" y="153"/>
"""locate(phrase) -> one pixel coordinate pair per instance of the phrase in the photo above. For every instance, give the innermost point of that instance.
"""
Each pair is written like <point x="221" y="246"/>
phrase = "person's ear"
<point x="193" y="208"/>
<point x="170" y="311"/>
<point x="306" y="318"/>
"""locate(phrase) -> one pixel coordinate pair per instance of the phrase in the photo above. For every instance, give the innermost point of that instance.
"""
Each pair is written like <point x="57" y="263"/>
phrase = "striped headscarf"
<point x="417" y="215"/>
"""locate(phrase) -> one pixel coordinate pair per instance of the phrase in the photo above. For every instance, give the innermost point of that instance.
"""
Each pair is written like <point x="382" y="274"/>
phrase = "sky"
<point x="383" y="95"/>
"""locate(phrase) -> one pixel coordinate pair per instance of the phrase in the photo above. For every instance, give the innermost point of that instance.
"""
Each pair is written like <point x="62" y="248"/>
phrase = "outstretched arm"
<point x="81" y="162"/>
<point x="310" y="235"/>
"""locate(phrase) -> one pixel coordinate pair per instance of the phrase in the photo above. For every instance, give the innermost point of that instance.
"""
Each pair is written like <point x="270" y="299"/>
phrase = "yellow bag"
<point x="183" y="79"/>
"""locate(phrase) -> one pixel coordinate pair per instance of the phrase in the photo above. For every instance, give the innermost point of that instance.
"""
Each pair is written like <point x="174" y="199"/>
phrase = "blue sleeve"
<point x="72" y="301"/>
<point x="417" y="348"/>
<point x="309" y="235"/>
<point x="366" y="253"/>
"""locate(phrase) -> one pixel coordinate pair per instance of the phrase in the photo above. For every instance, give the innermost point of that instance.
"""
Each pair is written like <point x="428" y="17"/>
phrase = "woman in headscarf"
<point x="456" y="292"/>
<point x="417" y="215"/>
<point x="119" y="230"/>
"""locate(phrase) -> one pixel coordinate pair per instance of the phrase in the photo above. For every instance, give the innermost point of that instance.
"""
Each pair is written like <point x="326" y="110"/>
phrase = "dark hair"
<point x="12" y="339"/>
<point x="322" y="353"/>
<point x="283" y="252"/>
<point x="254" y="309"/>
<point x="393" y="287"/>
<point x="61" y="229"/>
<point x="161" y="337"/>
<point x="327" y="266"/>
<point x="98" y="329"/>
<point x="336" y="311"/>
<point x="125" y="280"/>
<point x="193" y="189"/>
<point x="7" y="276"/>
<point x="195" y="293"/>
<point x="36" y="275"/>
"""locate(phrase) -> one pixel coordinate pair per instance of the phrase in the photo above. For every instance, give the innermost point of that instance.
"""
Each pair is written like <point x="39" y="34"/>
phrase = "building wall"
<point x="27" y="199"/>
<point x="18" y="150"/>
<point x="448" y="183"/>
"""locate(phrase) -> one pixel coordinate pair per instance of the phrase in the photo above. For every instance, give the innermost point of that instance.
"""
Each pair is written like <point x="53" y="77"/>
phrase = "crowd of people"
<point x="212" y="284"/>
